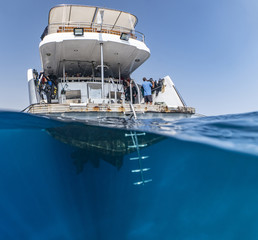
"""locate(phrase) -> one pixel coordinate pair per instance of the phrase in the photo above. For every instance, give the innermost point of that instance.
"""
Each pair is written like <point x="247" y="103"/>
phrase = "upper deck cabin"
<point x="65" y="18"/>
<point x="77" y="37"/>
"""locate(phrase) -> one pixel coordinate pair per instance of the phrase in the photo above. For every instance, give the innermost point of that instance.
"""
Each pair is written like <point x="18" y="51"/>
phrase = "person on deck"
<point x="147" y="90"/>
<point x="42" y="85"/>
<point x="48" y="90"/>
<point x="127" y="89"/>
<point x="134" y="91"/>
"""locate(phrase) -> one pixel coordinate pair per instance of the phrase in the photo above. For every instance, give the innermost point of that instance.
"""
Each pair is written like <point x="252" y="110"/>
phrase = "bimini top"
<point x="88" y="15"/>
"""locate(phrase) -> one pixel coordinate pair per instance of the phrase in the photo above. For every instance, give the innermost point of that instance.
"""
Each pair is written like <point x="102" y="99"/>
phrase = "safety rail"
<point x="113" y="95"/>
<point x="92" y="27"/>
<point x="28" y="108"/>
<point x="139" y="95"/>
<point x="89" y="79"/>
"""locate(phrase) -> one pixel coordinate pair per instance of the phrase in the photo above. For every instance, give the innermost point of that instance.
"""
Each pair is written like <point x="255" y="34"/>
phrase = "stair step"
<point x="137" y="158"/>
<point x="140" y="145"/>
<point x="140" y="170"/>
<point x="142" y="182"/>
<point x="134" y="134"/>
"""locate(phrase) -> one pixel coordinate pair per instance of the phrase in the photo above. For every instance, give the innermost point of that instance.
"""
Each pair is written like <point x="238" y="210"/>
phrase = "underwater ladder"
<point x="137" y="146"/>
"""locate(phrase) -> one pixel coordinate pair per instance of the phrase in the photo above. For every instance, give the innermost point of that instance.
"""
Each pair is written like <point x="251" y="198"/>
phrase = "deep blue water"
<point x="67" y="180"/>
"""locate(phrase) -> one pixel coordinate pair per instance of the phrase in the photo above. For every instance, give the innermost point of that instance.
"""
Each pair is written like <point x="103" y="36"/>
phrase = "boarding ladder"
<point x="139" y="157"/>
<point x="132" y="113"/>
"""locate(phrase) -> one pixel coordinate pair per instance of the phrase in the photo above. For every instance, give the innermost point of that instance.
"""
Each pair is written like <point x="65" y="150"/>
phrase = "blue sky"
<point x="209" y="48"/>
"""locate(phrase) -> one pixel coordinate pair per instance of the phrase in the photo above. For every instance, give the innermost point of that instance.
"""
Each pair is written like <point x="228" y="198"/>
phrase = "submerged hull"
<point x="196" y="188"/>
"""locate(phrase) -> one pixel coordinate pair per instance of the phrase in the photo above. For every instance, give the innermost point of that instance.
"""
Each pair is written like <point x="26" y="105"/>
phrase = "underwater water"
<point x="197" y="178"/>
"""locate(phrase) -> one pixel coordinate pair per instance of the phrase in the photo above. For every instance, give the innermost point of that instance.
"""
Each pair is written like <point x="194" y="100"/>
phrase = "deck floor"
<point x="115" y="108"/>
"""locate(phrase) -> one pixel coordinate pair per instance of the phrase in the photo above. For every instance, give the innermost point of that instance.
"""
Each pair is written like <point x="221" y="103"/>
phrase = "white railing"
<point x="89" y="79"/>
<point x="92" y="27"/>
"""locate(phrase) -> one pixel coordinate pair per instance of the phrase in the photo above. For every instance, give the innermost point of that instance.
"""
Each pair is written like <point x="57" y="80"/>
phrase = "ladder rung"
<point x="141" y="134"/>
<point x="138" y="183"/>
<point x="133" y="134"/>
<point x="133" y="146"/>
<point x="129" y="135"/>
<point x="142" y="145"/>
<point x="142" y="182"/>
<point x="140" y="170"/>
<point x="148" y="180"/>
<point x="137" y="158"/>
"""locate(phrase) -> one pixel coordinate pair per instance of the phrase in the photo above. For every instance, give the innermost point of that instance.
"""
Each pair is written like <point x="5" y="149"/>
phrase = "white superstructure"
<point x="102" y="28"/>
<point x="87" y="55"/>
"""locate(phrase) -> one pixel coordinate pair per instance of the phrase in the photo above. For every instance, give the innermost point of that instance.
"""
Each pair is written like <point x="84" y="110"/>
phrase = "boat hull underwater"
<point x="201" y="178"/>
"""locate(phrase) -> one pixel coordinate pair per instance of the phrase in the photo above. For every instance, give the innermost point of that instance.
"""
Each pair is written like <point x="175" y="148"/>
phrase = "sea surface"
<point x="194" y="178"/>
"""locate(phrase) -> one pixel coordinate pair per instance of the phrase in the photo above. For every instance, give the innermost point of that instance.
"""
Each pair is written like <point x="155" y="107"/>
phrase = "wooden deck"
<point x="112" y="108"/>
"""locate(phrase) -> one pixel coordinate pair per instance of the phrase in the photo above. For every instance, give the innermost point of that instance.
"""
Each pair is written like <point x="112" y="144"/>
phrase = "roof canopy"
<point x="71" y="14"/>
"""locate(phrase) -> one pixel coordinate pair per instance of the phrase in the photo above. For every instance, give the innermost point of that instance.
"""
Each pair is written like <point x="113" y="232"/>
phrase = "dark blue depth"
<point x="198" y="190"/>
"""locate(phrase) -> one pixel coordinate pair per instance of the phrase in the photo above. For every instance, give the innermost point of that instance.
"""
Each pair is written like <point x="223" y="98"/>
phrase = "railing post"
<point x="131" y="94"/>
<point x="102" y="70"/>
<point x="63" y="71"/>
<point x="119" y="72"/>
<point x="109" y="90"/>
<point x="93" y="71"/>
<point x="138" y="93"/>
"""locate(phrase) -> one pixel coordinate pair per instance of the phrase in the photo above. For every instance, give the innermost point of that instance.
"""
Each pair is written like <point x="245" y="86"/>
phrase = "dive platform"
<point x="106" y="108"/>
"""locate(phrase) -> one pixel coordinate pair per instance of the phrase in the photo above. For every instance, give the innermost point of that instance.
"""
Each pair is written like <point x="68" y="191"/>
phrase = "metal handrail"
<point x="133" y="110"/>
<point x="27" y="109"/>
<point x="92" y="27"/>
<point x="139" y="93"/>
<point x="180" y="96"/>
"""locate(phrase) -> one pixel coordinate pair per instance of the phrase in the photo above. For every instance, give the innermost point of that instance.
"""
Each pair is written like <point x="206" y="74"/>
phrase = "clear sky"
<point x="208" y="47"/>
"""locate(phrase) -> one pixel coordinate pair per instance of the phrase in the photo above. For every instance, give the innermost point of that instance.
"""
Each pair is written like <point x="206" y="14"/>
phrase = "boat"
<point x="88" y="54"/>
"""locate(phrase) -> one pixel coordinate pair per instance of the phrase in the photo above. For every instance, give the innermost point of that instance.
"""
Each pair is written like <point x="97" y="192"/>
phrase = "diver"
<point x="127" y="88"/>
<point x="48" y="90"/>
<point x="42" y="85"/>
<point x="53" y="79"/>
<point x="134" y="91"/>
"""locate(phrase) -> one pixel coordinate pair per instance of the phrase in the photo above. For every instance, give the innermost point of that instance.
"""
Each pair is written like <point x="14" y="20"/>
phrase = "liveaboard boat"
<point x="88" y="55"/>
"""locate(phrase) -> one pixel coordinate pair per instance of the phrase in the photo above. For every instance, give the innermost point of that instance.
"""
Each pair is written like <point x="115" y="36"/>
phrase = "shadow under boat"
<point x="95" y="143"/>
